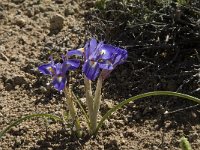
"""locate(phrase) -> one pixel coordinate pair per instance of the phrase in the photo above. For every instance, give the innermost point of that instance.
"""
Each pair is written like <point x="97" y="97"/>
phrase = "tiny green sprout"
<point x="185" y="144"/>
<point x="101" y="4"/>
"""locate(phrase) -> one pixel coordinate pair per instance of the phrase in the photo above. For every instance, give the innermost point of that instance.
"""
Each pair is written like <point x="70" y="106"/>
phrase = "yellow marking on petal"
<point x="50" y="69"/>
<point x="81" y="49"/>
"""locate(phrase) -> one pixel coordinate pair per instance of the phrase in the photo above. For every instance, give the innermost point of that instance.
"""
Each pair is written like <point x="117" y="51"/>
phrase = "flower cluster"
<point x="59" y="71"/>
<point x="99" y="59"/>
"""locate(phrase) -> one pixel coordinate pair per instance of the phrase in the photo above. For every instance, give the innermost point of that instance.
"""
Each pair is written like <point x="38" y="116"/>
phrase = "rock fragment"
<point x="3" y="57"/>
<point x="69" y="10"/>
<point x="56" y="23"/>
<point x="20" y="22"/>
<point x="2" y="48"/>
<point x="108" y="104"/>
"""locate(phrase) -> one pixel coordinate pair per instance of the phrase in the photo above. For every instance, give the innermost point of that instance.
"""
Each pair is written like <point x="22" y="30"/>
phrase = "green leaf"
<point x="26" y="118"/>
<point x="82" y="109"/>
<point x="155" y="93"/>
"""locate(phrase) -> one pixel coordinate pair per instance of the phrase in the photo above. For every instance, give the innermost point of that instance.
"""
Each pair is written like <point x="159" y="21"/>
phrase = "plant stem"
<point x="72" y="110"/>
<point x="89" y="98"/>
<point x="97" y="100"/>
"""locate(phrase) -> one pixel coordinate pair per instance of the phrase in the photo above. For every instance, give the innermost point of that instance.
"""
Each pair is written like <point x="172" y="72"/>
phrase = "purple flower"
<point x="59" y="71"/>
<point x="99" y="58"/>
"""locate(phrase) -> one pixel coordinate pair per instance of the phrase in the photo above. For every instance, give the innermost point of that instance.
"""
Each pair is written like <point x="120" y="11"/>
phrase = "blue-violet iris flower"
<point x="99" y="58"/>
<point x="58" y="71"/>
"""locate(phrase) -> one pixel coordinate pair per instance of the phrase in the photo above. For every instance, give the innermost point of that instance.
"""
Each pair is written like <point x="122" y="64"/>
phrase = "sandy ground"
<point x="27" y="30"/>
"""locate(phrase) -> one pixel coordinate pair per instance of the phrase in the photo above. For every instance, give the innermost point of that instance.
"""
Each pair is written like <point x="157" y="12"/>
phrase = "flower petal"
<point x="95" y="54"/>
<point x="90" y="47"/>
<point x="106" y="64"/>
<point x="72" y="64"/>
<point x="93" y="44"/>
<point x="119" y="59"/>
<point x="76" y="52"/>
<point x="91" y="69"/>
<point x="106" y="51"/>
<point x="59" y="82"/>
<point x="46" y="69"/>
<point x="59" y="68"/>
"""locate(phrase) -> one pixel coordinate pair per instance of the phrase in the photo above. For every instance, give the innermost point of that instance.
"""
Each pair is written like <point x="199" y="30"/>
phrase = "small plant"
<point x="101" y="4"/>
<point x="185" y="144"/>
<point x="98" y="61"/>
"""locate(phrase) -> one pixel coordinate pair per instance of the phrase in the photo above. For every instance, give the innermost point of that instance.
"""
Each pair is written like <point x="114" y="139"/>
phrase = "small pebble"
<point x="69" y="10"/>
<point x="108" y="104"/>
<point x="155" y="147"/>
<point x="168" y="124"/>
<point x="2" y="48"/>
<point x="20" y="22"/>
<point x="119" y="123"/>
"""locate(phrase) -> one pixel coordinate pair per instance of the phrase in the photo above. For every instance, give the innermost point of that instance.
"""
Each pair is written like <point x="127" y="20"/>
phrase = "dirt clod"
<point x="19" y="80"/>
<point x="56" y="23"/>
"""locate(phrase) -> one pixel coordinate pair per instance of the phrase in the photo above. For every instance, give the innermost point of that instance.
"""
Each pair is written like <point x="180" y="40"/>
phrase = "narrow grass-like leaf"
<point x="81" y="107"/>
<point x="26" y="118"/>
<point x="155" y="93"/>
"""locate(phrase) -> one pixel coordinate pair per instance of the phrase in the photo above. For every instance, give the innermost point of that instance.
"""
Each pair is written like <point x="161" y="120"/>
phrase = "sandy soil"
<point x="27" y="30"/>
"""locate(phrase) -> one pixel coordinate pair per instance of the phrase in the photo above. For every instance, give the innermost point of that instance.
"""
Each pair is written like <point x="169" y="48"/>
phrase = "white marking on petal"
<point x="103" y="52"/>
<point x="59" y="78"/>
